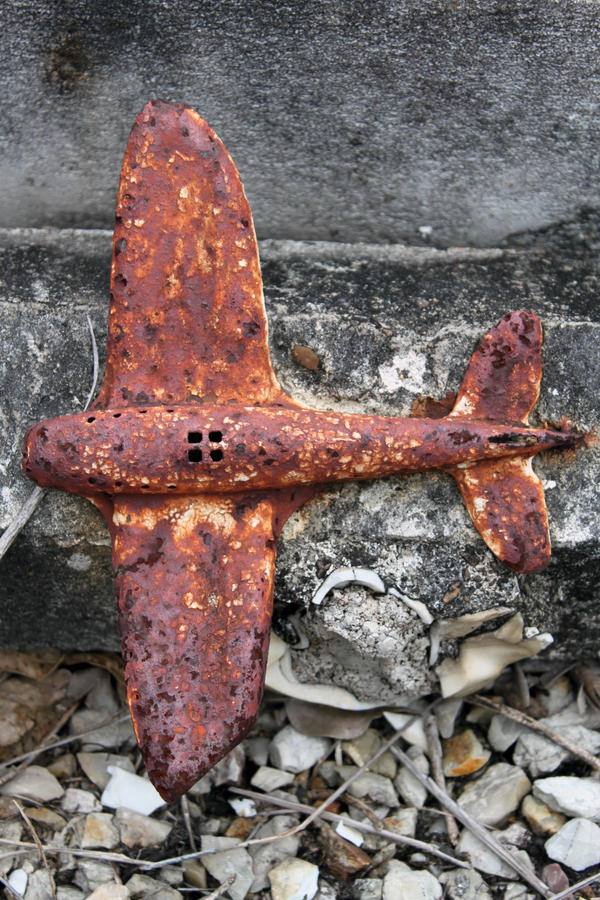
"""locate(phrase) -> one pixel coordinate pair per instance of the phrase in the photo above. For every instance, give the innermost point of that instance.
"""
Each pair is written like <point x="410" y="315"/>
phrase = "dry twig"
<point x="187" y="819"/>
<point x="435" y="755"/>
<point x="473" y="825"/>
<point x="221" y="889"/>
<point x="38" y="844"/>
<point x="523" y="719"/>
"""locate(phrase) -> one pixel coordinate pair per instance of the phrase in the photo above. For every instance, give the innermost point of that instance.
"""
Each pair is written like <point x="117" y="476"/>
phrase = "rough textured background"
<point x="388" y="324"/>
<point x="348" y="121"/>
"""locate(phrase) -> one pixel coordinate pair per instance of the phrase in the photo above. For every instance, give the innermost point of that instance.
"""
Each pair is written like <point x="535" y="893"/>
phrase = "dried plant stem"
<point x="365" y="827"/>
<point x="103" y="855"/>
<point x="185" y="812"/>
<point x="473" y="825"/>
<point x="435" y="755"/>
<point x="523" y="719"/>
<point x="38" y="844"/>
<point x="21" y="519"/>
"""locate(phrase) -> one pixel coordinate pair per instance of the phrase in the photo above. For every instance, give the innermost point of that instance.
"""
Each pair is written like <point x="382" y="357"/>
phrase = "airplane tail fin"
<point x="504" y="497"/>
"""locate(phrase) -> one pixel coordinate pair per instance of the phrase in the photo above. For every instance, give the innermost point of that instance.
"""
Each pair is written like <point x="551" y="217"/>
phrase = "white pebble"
<point x="577" y="844"/>
<point x="130" y="791"/>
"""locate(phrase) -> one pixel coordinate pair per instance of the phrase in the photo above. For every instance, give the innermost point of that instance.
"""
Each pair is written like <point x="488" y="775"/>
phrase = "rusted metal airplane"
<point x="196" y="456"/>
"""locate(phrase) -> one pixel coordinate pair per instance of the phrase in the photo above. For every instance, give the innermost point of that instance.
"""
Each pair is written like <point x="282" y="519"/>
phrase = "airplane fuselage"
<point x="195" y="449"/>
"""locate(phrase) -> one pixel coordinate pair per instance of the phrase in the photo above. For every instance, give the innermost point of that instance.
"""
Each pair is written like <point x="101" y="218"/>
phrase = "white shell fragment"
<point x="344" y="576"/>
<point x="350" y="834"/>
<point x="280" y="677"/>
<point x="419" y="608"/>
<point x="243" y="807"/>
<point x="130" y="791"/>
<point x="461" y="626"/>
<point x="482" y="658"/>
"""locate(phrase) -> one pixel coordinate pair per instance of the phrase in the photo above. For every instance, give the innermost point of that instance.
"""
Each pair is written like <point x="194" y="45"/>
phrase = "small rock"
<point x="110" y="892"/>
<point x="195" y="873"/>
<point x="69" y="893"/>
<point x="496" y="794"/>
<point x="296" y="752"/>
<point x="9" y="831"/>
<point x="257" y="749"/>
<point x="18" y="880"/>
<point x="231" y="860"/>
<point x="414" y="732"/>
<point x="267" y="856"/>
<point x="361" y="749"/>
<point x="110" y="737"/>
<point x="229" y="769"/>
<point x="368" y="784"/>
<point x="403" y="821"/>
<point x="408" y="786"/>
<point x="142" y="886"/>
<point x="305" y="357"/>
<point x="485" y="860"/>
<point x="570" y="795"/>
<point x="101" y="696"/>
<point x="464" y="754"/>
<point x="39" y="886"/>
<point x="95" y="766"/>
<point x="367" y="889"/>
<point x="326" y="891"/>
<point x="541" y="818"/>
<point x="141" y="831"/>
<point x="130" y="791"/>
<point x="269" y="779"/>
<point x="464" y="884"/>
<point x="403" y="883"/>
<point x="77" y="801"/>
<point x="348" y="833"/>
<point x="446" y="714"/>
<point x="342" y="857"/>
<point x="240" y="828"/>
<point x="99" y="831"/>
<point x="294" y="879"/>
<point x="34" y="783"/>
<point x="557" y="696"/>
<point x="541" y="755"/>
<point x="91" y="873"/>
<point x="63" y="766"/>
<point x="517" y="892"/>
<point x="243" y="807"/>
<point x="42" y="815"/>
<point x="503" y="733"/>
<point x="171" y="874"/>
<point x="555" y="878"/>
<point x="577" y="844"/>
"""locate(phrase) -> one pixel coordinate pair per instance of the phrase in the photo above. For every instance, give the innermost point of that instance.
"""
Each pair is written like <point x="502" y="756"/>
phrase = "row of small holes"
<point x="195" y="455"/>
<point x="195" y="437"/>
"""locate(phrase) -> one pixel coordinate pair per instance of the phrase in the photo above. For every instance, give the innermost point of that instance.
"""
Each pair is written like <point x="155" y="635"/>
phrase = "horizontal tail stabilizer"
<point x="505" y="500"/>
<point x="502" y="381"/>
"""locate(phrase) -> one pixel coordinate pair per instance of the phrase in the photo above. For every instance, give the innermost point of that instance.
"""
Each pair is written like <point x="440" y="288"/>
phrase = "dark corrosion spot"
<point x="251" y="328"/>
<point x="215" y="436"/>
<point x="92" y="480"/>
<point x="92" y="419"/>
<point x="240" y="449"/>
<point x="461" y="437"/>
<point x="118" y="484"/>
<point x="216" y="455"/>
<point x="185" y="131"/>
<point x="116" y="415"/>
<point x="195" y="455"/>
<point x="120" y="245"/>
<point x="519" y="440"/>
<point x="120" y="279"/>
<point x="244" y="222"/>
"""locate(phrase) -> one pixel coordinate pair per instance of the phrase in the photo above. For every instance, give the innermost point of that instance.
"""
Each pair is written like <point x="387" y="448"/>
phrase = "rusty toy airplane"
<point x="196" y="456"/>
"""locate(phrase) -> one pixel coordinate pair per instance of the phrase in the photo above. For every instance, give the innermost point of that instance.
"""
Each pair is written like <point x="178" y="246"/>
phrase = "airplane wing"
<point x="187" y="320"/>
<point x="187" y="325"/>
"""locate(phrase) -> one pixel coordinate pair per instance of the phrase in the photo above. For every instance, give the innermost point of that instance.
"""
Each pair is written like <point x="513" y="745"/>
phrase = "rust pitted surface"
<point x="194" y="577"/>
<point x="196" y="457"/>
<point x="186" y="320"/>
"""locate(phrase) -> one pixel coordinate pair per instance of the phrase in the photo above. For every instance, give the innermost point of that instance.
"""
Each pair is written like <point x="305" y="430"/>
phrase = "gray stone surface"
<point x="352" y="121"/>
<point x="416" y="313"/>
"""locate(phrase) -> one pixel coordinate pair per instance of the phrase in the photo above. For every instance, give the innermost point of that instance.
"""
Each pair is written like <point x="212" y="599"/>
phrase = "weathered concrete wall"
<point x="387" y="324"/>
<point x="348" y="121"/>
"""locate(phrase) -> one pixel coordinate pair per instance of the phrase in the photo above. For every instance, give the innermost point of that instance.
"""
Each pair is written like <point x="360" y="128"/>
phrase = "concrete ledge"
<point x="388" y="324"/>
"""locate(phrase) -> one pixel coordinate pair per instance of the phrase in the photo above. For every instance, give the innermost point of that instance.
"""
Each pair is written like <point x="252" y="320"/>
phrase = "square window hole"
<point x="195" y="455"/>
<point x="216" y="455"/>
<point x="215" y="436"/>
<point x="194" y="437"/>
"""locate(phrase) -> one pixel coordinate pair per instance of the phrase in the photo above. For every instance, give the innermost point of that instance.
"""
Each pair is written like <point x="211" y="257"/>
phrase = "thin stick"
<point x="95" y="359"/>
<point x="473" y="825"/>
<point x="74" y="851"/>
<point x="185" y="811"/>
<point x="38" y="844"/>
<point x="435" y="755"/>
<point x="21" y="519"/>
<point x="34" y="499"/>
<point x="365" y="827"/>
<point x="523" y="719"/>
<point x="576" y="887"/>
